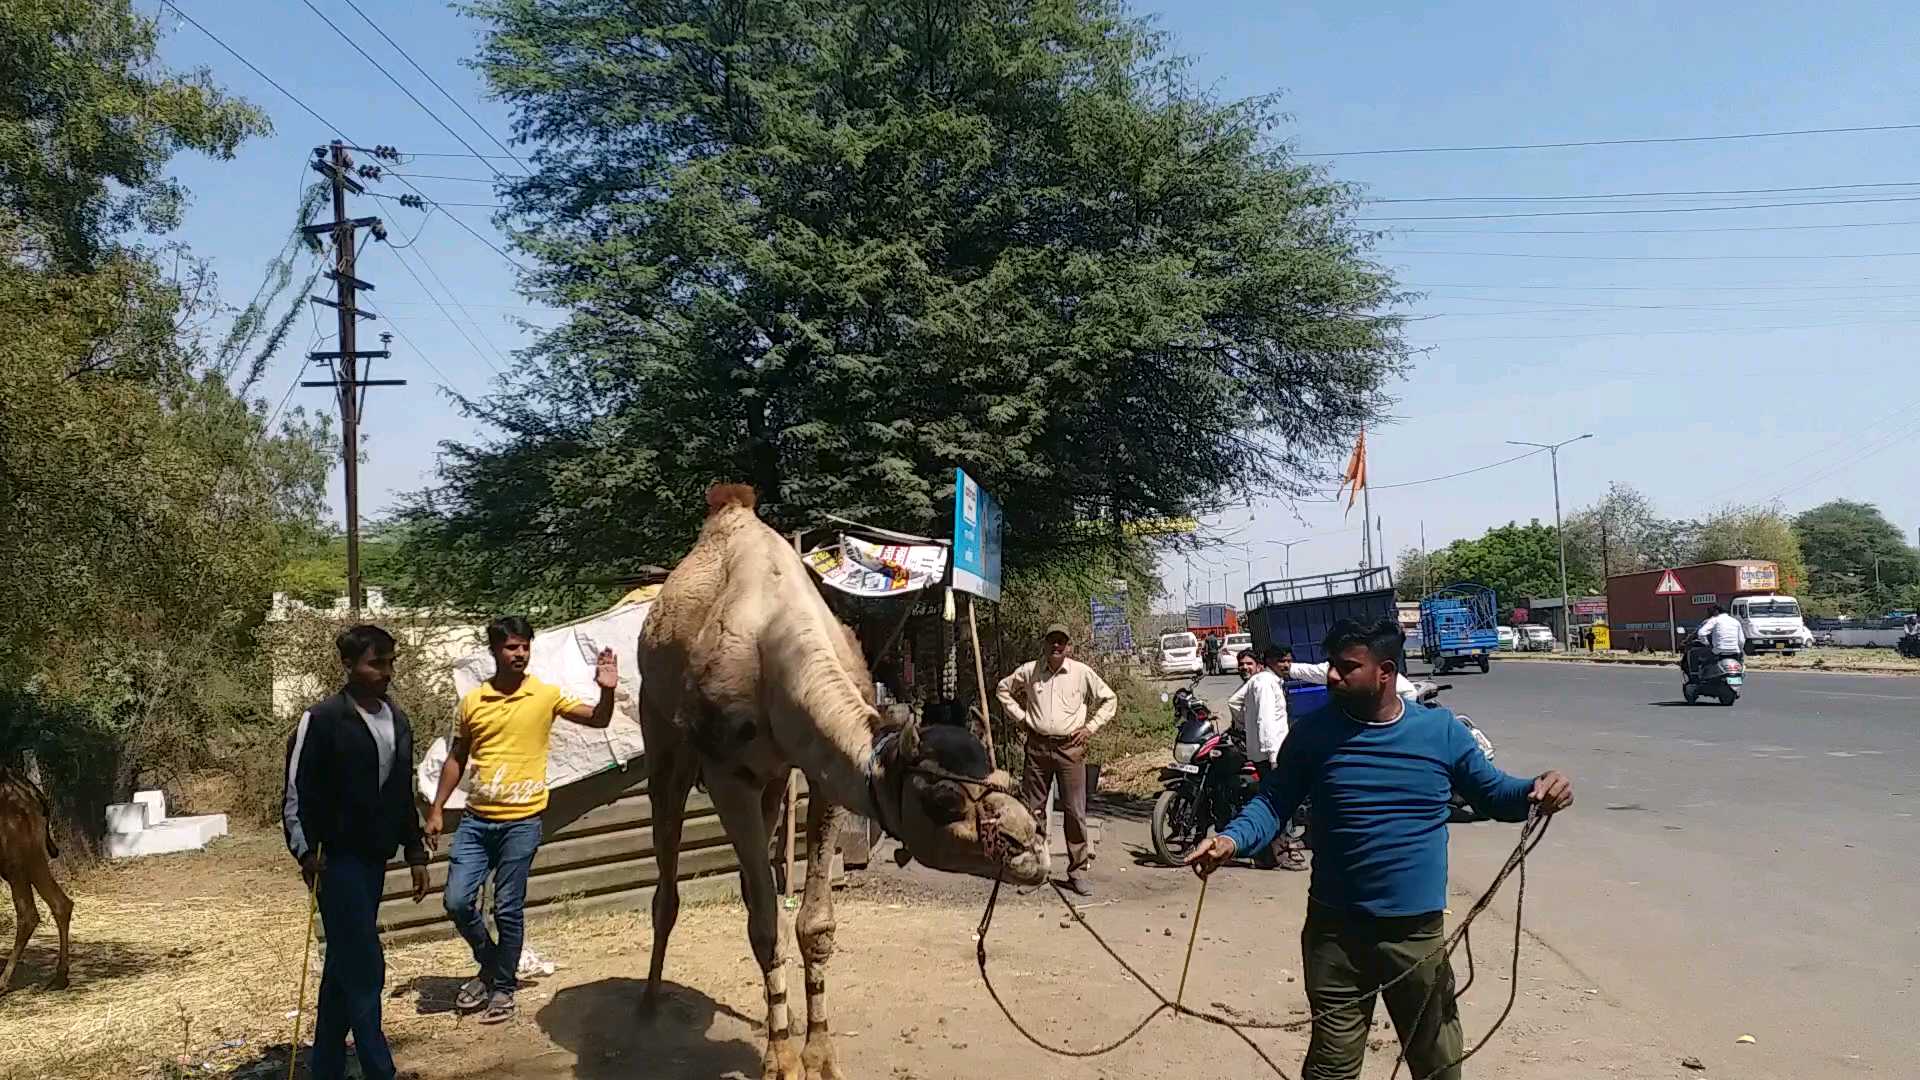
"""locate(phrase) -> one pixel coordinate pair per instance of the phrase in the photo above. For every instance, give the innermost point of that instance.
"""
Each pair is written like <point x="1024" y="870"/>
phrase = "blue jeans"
<point x="356" y="970"/>
<point x="505" y="849"/>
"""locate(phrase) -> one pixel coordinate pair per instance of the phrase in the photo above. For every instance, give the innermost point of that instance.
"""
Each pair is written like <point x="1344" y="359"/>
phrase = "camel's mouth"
<point x="1026" y="868"/>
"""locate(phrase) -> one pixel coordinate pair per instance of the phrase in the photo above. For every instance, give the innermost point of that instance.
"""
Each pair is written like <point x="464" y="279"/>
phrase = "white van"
<point x="1771" y="621"/>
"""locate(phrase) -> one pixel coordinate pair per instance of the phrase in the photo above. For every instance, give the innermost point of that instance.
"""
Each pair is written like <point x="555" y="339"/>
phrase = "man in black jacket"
<point x="348" y="805"/>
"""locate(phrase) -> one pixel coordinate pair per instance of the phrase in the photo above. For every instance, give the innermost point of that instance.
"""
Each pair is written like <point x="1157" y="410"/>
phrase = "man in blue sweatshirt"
<point x="1379" y="772"/>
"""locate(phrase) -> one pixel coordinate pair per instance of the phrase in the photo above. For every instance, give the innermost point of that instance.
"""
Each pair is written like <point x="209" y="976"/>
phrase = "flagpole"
<point x="1366" y="495"/>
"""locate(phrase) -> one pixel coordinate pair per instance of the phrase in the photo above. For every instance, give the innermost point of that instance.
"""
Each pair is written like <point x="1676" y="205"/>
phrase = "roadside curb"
<point x="1634" y="661"/>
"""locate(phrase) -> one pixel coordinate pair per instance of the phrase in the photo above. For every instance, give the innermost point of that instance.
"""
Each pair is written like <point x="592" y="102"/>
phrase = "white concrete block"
<point x="156" y="803"/>
<point x="126" y="817"/>
<point x="168" y="837"/>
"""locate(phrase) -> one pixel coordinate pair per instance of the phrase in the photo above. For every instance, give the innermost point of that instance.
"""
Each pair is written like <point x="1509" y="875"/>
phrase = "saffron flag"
<point x="1356" y="474"/>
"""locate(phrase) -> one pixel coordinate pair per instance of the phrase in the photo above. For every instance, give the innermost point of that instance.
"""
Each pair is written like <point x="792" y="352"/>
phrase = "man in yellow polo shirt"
<point x="501" y="741"/>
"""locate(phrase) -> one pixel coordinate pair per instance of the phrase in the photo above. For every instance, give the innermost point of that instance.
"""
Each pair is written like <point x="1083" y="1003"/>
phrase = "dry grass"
<point x="189" y="965"/>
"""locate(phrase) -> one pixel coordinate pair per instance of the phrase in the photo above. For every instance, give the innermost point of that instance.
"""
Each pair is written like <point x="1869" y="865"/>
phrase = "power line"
<point x="447" y="315"/>
<point x="335" y="128"/>
<point x="457" y="302"/>
<point x="288" y="94"/>
<point x="1616" y="142"/>
<point x="1644" y="194"/>
<point x="344" y="36"/>
<point x="1463" y="472"/>
<point x="479" y="205"/>
<point x="1638" y="210"/>
<point x="436" y="176"/>
<point x="436" y="85"/>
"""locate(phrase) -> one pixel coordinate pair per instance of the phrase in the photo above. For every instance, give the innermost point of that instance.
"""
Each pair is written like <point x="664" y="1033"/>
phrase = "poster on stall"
<point x="863" y="568"/>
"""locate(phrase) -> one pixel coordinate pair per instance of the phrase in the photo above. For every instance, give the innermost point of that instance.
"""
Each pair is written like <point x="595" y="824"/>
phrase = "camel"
<point x="745" y="673"/>
<point x="26" y="851"/>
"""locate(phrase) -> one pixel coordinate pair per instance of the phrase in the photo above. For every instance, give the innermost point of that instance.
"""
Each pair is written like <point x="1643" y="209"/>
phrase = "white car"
<point x="1536" y="638"/>
<point x="1509" y="638"/>
<point x="1230" y="649"/>
<point x="1179" y="654"/>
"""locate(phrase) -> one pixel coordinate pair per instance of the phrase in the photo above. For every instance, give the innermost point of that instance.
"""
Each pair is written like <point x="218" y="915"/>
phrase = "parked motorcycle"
<point x="1909" y="646"/>
<point x="1211" y="778"/>
<point x="1707" y="675"/>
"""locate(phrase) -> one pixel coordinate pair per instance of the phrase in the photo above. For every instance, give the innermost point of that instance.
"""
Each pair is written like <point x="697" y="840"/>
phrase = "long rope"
<point x="1531" y="834"/>
<point x="306" y="958"/>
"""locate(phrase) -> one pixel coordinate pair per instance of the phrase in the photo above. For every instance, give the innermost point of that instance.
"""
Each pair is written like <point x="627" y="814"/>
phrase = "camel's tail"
<point x="722" y="496"/>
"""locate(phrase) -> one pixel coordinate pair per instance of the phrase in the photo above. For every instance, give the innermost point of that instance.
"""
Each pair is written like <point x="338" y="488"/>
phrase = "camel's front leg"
<point x="740" y="807"/>
<point x="815" y="933"/>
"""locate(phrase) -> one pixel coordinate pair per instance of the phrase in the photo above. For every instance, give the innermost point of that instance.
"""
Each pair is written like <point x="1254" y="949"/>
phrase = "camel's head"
<point x="954" y="812"/>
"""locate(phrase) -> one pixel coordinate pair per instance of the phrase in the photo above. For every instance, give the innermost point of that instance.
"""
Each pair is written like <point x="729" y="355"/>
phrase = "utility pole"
<point x="1606" y="559"/>
<point x="336" y="165"/>
<point x="1566" y="611"/>
<point x="1426" y="566"/>
<point x="1366" y="534"/>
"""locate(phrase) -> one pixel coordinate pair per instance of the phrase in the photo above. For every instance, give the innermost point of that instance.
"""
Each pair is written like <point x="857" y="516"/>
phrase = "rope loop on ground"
<point x="1531" y="834"/>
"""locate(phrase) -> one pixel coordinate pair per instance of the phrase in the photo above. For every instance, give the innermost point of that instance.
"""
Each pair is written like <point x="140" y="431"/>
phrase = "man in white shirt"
<point x="1237" y="704"/>
<point x="1722" y="633"/>
<point x="1264" y="715"/>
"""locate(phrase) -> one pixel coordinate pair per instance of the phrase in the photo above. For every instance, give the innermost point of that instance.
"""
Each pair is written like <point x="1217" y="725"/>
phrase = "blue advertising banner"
<point x="1111" y="632"/>
<point x="976" y="538"/>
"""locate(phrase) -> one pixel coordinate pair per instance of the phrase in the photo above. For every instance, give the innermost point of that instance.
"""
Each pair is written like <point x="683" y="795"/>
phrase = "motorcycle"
<point x="1211" y="778"/>
<point x="1909" y="646"/>
<point x="1710" y="676"/>
<point x="1205" y="786"/>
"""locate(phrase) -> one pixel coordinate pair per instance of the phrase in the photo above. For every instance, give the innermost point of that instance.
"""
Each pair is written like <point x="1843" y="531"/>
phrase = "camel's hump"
<point x="721" y="496"/>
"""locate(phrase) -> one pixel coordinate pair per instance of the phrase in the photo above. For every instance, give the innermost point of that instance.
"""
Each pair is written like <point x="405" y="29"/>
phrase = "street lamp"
<point x="1566" y="610"/>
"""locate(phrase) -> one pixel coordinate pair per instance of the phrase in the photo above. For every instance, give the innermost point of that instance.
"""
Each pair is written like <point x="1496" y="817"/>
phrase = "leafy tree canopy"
<point x="1842" y="540"/>
<point x="837" y="250"/>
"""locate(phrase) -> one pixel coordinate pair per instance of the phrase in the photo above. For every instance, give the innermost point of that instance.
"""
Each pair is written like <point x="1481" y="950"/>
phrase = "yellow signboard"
<point x="1602" y="637"/>
<point x="1163" y="526"/>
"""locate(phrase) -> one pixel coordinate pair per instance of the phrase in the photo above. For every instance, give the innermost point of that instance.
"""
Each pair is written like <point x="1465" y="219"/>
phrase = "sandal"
<point x="500" y="1008"/>
<point x="472" y="994"/>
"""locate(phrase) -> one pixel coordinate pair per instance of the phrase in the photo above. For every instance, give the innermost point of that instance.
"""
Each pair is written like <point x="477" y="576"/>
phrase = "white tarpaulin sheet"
<point x="565" y="656"/>
<point x="864" y="568"/>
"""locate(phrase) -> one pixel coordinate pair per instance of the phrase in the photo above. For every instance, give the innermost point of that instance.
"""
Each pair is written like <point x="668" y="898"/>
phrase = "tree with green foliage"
<point x="1753" y="532"/>
<point x="148" y="502"/>
<point x="838" y="250"/>
<point x="1843" y="541"/>
<point x="1515" y="561"/>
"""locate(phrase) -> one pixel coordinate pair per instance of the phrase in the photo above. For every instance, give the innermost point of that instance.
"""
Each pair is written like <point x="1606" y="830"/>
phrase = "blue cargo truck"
<point x="1459" y="626"/>
<point x="1296" y="612"/>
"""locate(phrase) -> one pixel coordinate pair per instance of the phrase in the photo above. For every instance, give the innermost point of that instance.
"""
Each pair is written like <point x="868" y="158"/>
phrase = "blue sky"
<point x="1748" y="363"/>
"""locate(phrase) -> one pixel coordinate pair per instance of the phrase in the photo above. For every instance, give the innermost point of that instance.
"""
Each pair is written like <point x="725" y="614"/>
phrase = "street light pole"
<point x="1288" y="544"/>
<point x="1566" y="609"/>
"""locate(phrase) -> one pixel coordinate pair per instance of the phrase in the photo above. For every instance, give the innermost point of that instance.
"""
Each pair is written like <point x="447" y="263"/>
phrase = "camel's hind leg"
<point x="25" y="918"/>
<point x="815" y="934"/>
<point x="670" y="776"/>
<point x="62" y="909"/>
<point x="743" y="810"/>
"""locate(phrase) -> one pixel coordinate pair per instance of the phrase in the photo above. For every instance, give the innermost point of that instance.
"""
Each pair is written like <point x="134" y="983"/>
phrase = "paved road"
<point x="1752" y="870"/>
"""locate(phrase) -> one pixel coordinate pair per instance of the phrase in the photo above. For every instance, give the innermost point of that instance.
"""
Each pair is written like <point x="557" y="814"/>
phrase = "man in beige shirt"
<point x="1060" y="703"/>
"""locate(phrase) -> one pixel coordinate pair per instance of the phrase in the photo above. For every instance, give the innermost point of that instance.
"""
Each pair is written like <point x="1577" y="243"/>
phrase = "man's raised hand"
<point x="606" y="670"/>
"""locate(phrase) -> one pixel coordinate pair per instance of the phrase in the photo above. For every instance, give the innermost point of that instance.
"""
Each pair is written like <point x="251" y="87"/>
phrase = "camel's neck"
<point x="831" y="728"/>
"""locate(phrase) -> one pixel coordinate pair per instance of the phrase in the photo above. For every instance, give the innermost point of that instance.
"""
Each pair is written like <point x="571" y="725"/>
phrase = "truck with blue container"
<point x="1459" y="626"/>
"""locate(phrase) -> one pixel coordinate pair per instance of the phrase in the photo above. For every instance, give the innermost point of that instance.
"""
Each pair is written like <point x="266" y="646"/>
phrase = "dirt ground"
<point x="188" y="966"/>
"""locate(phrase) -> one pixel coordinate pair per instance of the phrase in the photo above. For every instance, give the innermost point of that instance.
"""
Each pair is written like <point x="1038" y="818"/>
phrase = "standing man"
<point x="1210" y="653"/>
<point x="501" y="739"/>
<point x="1237" y="704"/>
<point x="1380" y="772"/>
<point x="1264" y="714"/>
<point x="1060" y="703"/>
<point x="347" y="806"/>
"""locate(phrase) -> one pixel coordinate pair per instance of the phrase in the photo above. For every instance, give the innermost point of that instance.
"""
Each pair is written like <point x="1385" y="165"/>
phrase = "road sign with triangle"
<point x="1669" y="586"/>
